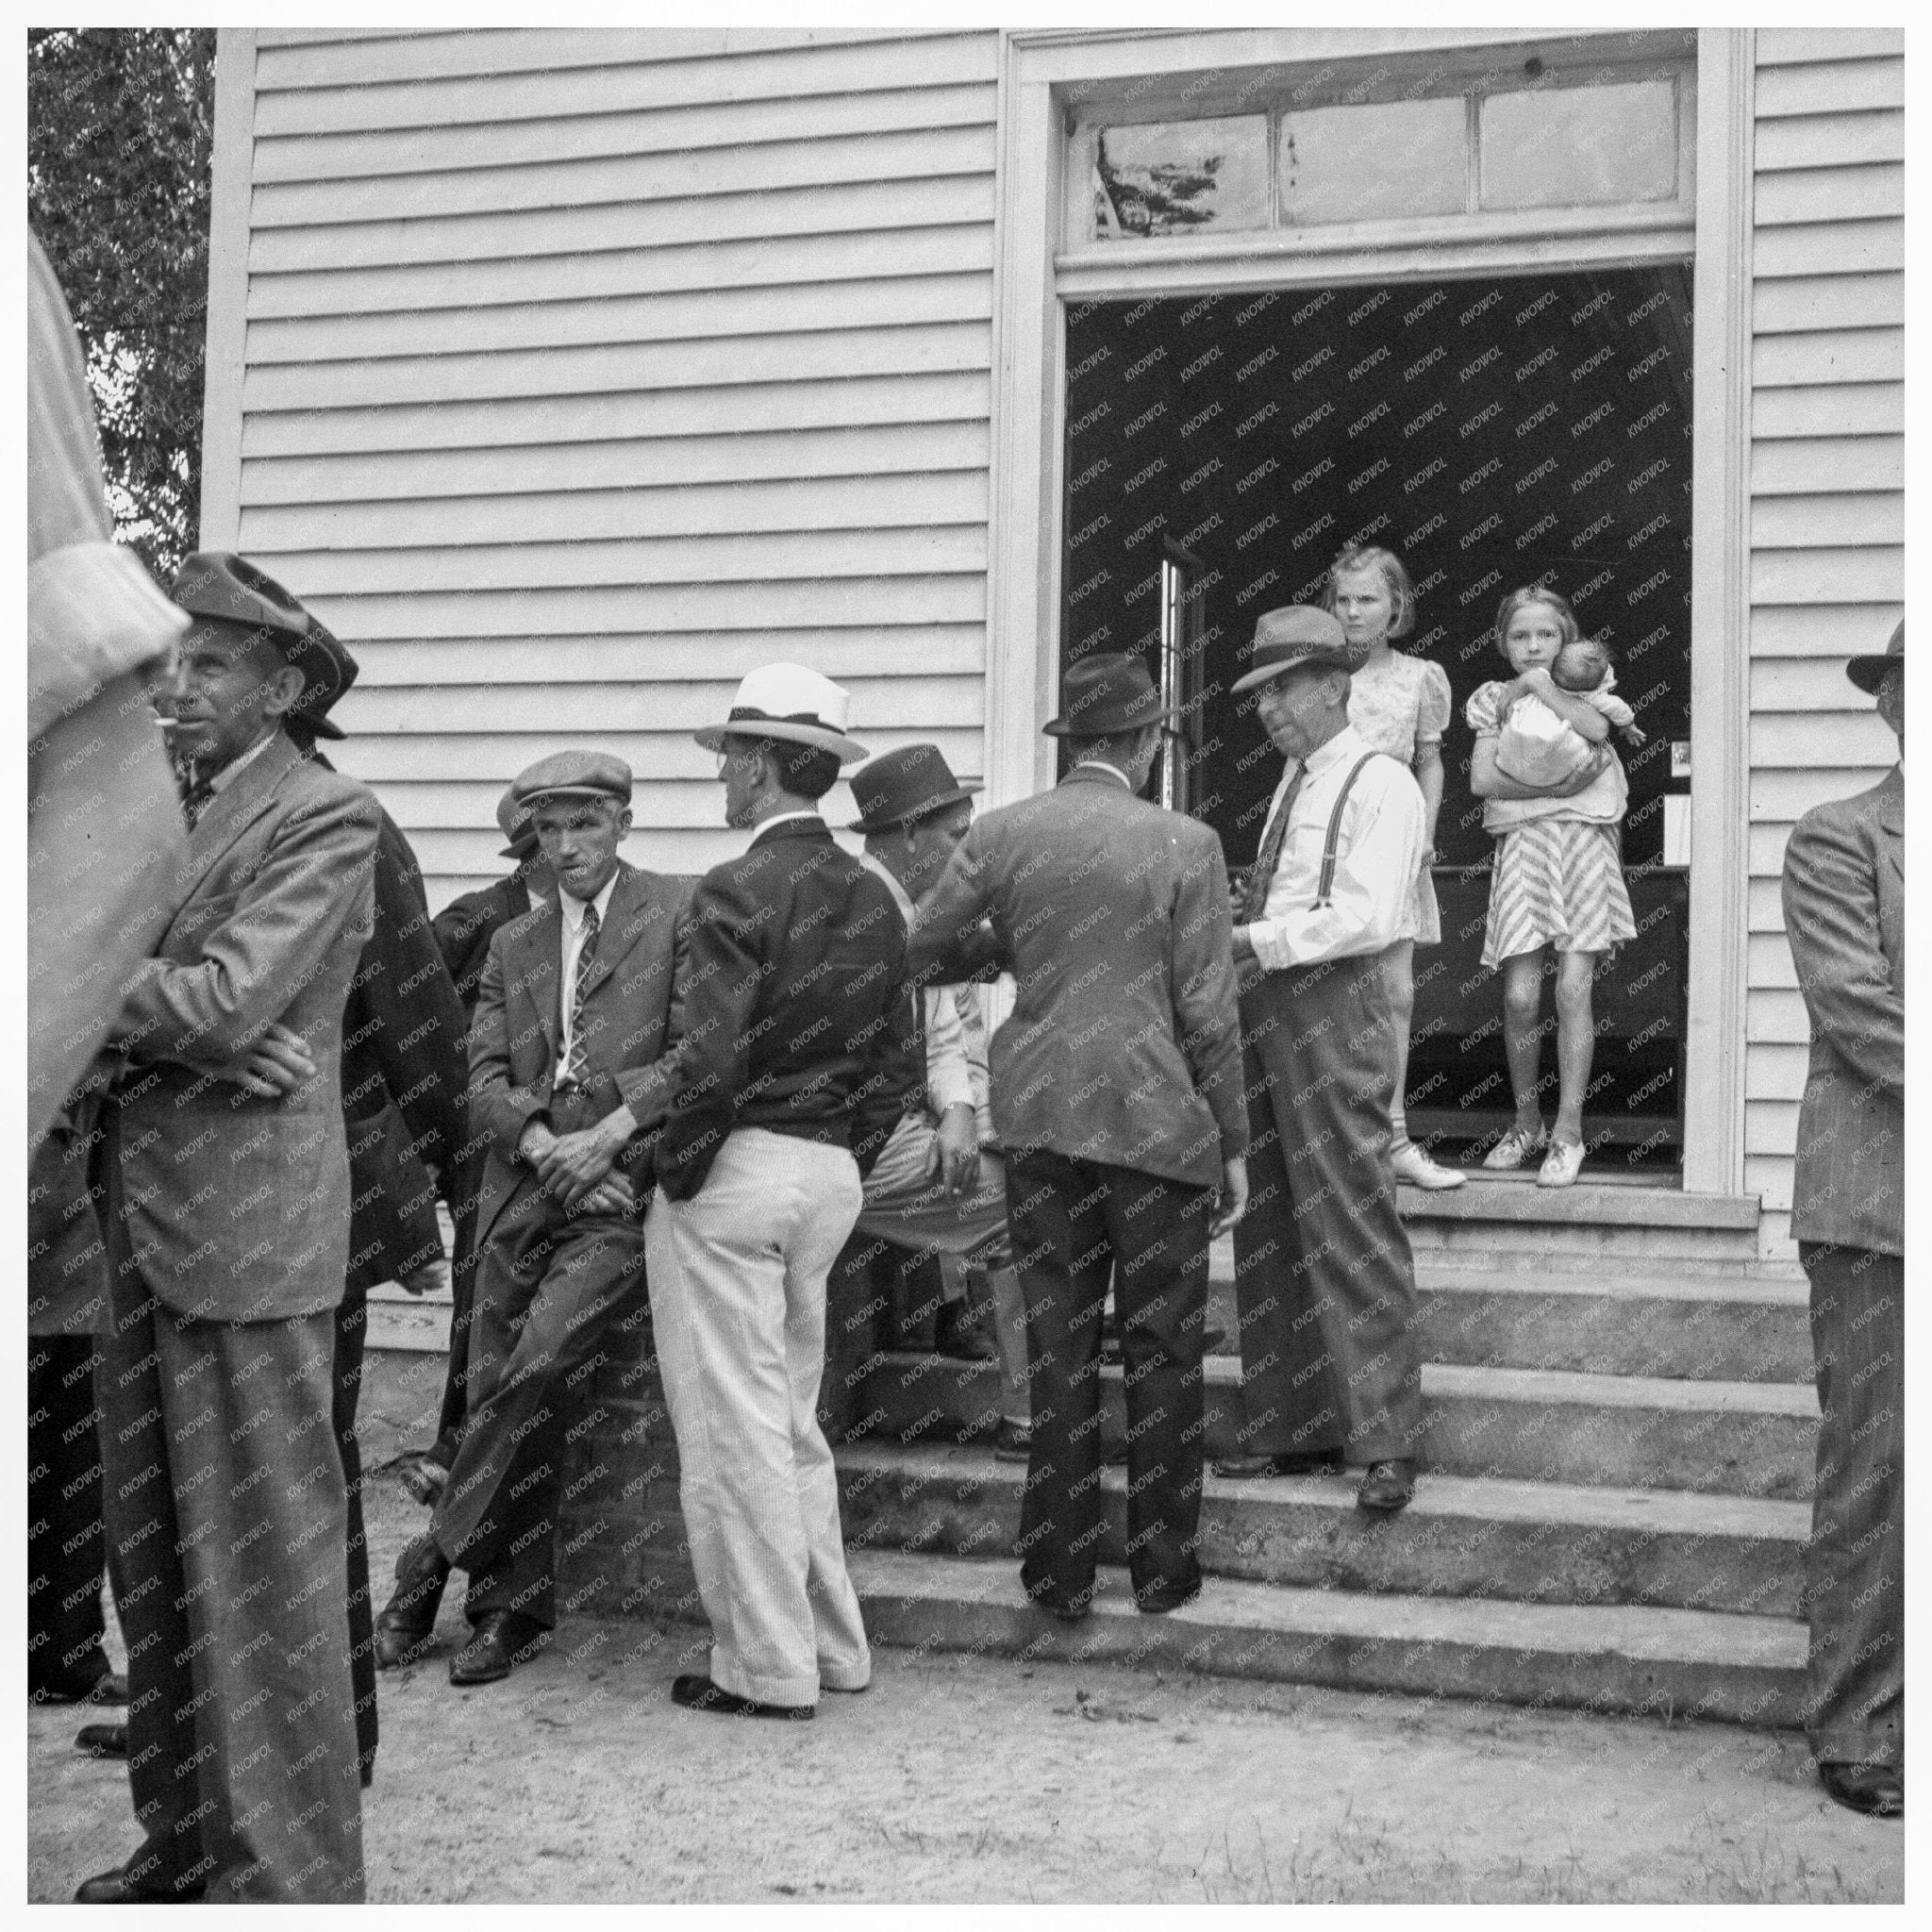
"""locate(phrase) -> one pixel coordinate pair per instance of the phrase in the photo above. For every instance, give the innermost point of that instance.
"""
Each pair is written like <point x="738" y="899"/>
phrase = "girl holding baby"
<point x="1559" y="882"/>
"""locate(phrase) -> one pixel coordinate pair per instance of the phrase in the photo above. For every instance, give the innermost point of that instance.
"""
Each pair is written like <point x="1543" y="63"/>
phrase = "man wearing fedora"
<point x="1844" y="904"/>
<point x="1116" y="1093"/>
<point x="1323" y="1278"/>
<point x="798" y="1054"/>
<point x="463" y="930"/>
<point x="938" y="1186"/>
<point x="571" y="1070"/>
<point x="227" y="1225"/>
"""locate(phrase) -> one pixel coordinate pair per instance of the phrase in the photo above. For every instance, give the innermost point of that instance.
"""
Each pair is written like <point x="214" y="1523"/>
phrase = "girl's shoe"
<point x="1515" y="1147"/>
<point x="1561" y="1166"/>
<point x="1415" y="1167"/>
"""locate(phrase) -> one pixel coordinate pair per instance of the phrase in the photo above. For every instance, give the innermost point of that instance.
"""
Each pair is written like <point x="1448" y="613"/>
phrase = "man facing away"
<point x="228" y="1223"/>
<point x="797" y="1055"/>
<point x="1323" y="1278"/>
<point x="1116" y="1093"/>
<point x="1844" y="900"/>
<point x="570" y="1062"/>
<point x="938" y="1186"/>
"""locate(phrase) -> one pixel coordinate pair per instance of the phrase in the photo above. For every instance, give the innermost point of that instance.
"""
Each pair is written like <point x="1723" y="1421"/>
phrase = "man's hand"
<point x="1244" y="947"/>
<point x="1232" y="1202"/>
<point x="275" y="1067"/>
<point x="956" y="1149"/>
<point x="611" y="1195"/>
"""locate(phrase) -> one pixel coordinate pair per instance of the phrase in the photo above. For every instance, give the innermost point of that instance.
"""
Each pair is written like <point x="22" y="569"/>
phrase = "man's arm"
<point x="498" y="1109"/>
<point x="951" y="939"/>
<point x="648" y="1089"/>
<point x="1379" y="852"/>
<point x="314" y="884"/>
<point x="1831" y="920"/>
<point x="724" y="968"/>
<point x="1207" y="1017"/>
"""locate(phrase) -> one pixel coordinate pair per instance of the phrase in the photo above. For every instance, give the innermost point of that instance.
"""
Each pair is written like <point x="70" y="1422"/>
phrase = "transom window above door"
<point x="1595" y="125"/>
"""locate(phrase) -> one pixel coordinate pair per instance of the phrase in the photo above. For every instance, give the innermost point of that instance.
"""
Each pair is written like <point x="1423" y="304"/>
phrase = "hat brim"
<point x="1267" y="672"/>
<point x="533" y="799"/>
<point x="1868" y="673"/>
<point x="924" y="810"/>
<point x="524" y="851"/>
<point x="320" y="727"/>
<point x="820" y="737"/>
<point x="1064" y="726"/>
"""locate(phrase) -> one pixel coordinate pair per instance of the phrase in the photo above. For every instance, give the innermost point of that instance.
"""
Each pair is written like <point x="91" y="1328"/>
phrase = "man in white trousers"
<point x="797" y="1060"/>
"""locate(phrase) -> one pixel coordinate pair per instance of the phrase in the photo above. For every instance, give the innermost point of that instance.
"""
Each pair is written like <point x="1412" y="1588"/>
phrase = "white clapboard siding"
<point x="587" y="370"/>
<point x="1827" y="515"/>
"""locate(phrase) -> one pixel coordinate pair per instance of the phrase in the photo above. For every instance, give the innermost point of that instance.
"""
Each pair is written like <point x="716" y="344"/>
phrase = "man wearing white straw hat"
<point x="795" y="1067"/>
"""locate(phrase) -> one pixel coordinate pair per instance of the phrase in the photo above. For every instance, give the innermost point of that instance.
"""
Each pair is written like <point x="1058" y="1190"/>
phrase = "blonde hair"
<point x="1535" y="593"/>
<point x="1395" y="577"/>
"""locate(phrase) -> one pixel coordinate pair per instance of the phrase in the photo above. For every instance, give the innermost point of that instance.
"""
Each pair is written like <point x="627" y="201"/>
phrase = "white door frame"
<point x="1039" y="75"/>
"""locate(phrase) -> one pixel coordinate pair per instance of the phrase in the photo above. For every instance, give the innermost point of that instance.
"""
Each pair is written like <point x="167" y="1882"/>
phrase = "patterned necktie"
<point x="587" y="960"/>
<point x="195" y="799"/>
<point x="1262" y="875"/>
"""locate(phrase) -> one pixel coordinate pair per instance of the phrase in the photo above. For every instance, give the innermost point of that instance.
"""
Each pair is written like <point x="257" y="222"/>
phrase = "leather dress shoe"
<point x="1878" y="1790"/>
<point x="1241" y="1469"/>
<point x="1067" y="1611"/>
<point x="102" y="1740"/>
<point x="407" y="1622"/>
<point x="1387" y="1488"/>
<point x="1158" y="1602"/>
<point x="697" y="1691"/>
<point x="122" y="1887"/>
<point x="1014" y="1442"/>
<point x="956" y="1332"/>
<point x="422" y="1475"/>
<point x="111" y="1686"/>
<point x="501" y="1641"/>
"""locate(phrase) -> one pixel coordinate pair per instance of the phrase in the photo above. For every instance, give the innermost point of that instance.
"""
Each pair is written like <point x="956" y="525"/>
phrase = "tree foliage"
<point x="120" y="142"/>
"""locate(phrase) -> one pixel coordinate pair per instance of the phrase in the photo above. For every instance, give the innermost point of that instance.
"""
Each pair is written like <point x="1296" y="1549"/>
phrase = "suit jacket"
<point x="1844" y="900"/>
<point x="1124" y="1042"/>
<point x="465" y="926"/>
<point x="237" y="1209"/>
<point x="404" y="1071"/>
<point x="630" y="1030"/>
<point x="796" y="1011"/>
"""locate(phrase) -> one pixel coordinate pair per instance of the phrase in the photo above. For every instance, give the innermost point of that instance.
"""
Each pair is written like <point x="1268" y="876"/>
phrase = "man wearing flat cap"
<point x="228" y="1223"/>
<point x="1116" y="1093"/>
<point x="1324" y="1281"/>
<point x="571" y="1071"/>
<point x="938" y="1186"/>
<point x="463" y="930"/>
<point x="798" y="1055"/>
<point x="1844" y="904"/>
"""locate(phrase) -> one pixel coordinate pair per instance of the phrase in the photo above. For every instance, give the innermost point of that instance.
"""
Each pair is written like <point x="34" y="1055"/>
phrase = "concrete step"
<point x="1667" y="1663"/>
<point x="1746" y="1438"/>
<point x="1508" y="1219"/>
<point x="1462" y="1536"/>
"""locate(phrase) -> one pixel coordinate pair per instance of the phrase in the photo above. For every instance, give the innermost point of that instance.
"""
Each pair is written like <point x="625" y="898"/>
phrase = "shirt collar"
<point x="1105" y="765"/>
<point x="784" y="818"/>
<point x="1339" y="747"/>
<point x="233" y="769"/>
<point x="572" y="908"/>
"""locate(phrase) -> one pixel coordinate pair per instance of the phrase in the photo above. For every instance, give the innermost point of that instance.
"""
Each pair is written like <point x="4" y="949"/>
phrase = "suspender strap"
<point x="1324" y="888"/>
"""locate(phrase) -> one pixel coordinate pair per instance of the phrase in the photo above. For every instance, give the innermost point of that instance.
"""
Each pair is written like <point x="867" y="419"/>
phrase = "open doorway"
<point x="1221" y="448"/>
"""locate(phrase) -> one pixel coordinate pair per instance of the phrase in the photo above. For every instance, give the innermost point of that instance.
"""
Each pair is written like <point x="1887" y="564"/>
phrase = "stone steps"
<point x="1462" y="1536"/>
<point x="1746" y="1438"/>
<point x="1667" y="1663"/>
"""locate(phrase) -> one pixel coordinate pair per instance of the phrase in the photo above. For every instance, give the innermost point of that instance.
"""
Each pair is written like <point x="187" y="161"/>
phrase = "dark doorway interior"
<point x="1493" y="433"/>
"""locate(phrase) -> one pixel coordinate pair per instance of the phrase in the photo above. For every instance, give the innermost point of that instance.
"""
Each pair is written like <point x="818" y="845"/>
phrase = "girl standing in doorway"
<point x="1401" y="706"/>
<point x="1559" y="883"/>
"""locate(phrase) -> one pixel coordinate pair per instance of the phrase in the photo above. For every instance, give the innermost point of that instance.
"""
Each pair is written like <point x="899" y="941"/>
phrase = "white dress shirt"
<point x="948" y="1068"/>
<point x="572" y="911"/>
<point x="1376" y="858"/>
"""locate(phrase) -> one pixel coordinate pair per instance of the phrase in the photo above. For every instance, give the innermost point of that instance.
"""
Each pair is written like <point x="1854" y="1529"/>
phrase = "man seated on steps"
<point x="938" y="1184"/>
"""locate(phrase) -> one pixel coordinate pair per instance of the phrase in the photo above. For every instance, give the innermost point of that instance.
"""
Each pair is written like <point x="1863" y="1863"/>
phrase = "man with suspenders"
<point x="1323" y="1278"/>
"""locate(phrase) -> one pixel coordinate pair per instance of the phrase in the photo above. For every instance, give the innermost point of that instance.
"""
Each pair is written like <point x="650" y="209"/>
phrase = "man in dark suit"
<point x="798" y="1053"/>
<point x="1116" y="1092"/>
<point x="571" y="1060"/>
<point x="1844" y="903"/>
<point x="463" y="930"/>
<point x="228" y="1226"/>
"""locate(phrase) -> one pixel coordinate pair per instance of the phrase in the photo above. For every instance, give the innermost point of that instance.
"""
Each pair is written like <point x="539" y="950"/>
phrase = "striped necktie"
<point x="196" y="797"/>
<point x="587" y="960"/>
<point x="1262" y="875"/>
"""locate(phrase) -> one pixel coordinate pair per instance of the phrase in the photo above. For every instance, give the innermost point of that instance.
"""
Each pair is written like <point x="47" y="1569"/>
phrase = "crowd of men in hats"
<point x="646" y="1098"/>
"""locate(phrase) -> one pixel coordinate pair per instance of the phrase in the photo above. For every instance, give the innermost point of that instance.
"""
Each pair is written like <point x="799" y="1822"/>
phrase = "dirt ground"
<point x="982" y="1780"/>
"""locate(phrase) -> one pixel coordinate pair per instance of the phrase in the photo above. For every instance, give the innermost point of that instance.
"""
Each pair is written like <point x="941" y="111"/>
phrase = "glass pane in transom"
<point x="1382" y="160"/>
<point x="1560" y="147"/>
<point x="1179" y="177"/>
